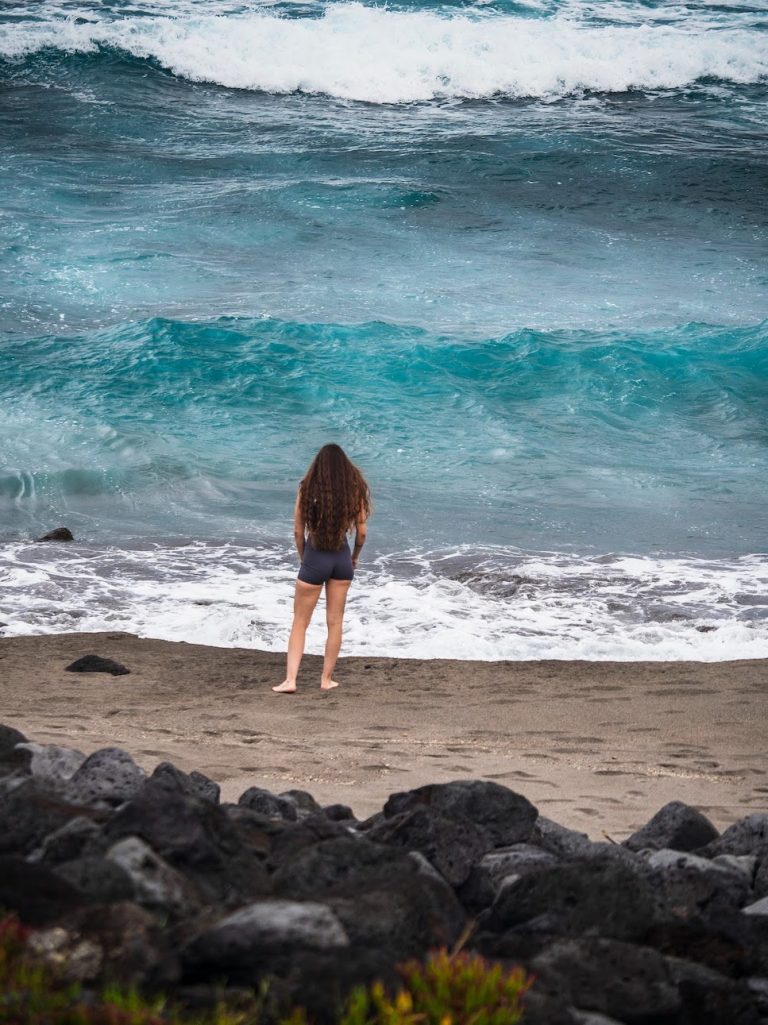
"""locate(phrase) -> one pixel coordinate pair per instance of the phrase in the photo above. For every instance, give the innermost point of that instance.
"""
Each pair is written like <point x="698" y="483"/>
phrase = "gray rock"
<point x="75" y="838"/>
<point x="97" y="879"/>
<point x="35" y="893"/>
<point x="425" y="867"/>
<point x="559" y="840"/>
<point x="709" y="996"/>
<point x="506" y="816"/>
<point x="677" y="826"/>
<point x="606" y="896"/>
<point x="452" y="845"/>
<point x="266" y="803"/>
<point x="9" y="738"/>
<point x="593" y="1018"/>
<point x="156" y="885"/>
<point x="339" y="813"/>
<point x="52" y="765"/>
<point x="97" y="664"/>
<point x="688" y="886"/>
<point x="196" y="838"/>
<point x="746" y="864"/>
<point x="107" y="778"/>
<point x="759" y="988"/>
<point x="760" y="878"/>
<point x="57" y="534"/>
<point x="621" y="980"/>
<point x="487" y="876"/>
<point x="29" y="814"/>
<point x="206" y="787"/>
<point x="747" y="836"/>
<point x="169" y="775"/>
<point x="759" y="907"/>
<point x="260" y="933"/>
<point x="385" y="898"/>
<point x="304" y="801"/>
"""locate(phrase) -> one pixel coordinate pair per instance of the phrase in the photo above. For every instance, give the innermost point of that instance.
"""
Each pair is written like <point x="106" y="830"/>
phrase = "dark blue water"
<point x="512" y="256"/>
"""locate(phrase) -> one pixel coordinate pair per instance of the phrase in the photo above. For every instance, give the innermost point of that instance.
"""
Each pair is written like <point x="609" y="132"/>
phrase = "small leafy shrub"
<point x="463" y="989"/>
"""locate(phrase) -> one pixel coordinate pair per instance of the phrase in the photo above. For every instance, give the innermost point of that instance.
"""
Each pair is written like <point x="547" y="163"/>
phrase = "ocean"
<point x="511" y="255"/>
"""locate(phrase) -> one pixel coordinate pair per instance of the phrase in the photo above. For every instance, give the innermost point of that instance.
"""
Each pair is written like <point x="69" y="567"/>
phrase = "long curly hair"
<point x="333" y="495"/>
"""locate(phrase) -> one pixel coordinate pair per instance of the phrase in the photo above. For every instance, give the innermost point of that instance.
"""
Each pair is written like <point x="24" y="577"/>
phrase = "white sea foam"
<point x="373" y="54"/>
<point x="500" y="606"/>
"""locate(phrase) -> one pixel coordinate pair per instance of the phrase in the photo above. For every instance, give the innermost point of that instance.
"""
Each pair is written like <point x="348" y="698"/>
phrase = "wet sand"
<point x="599" y="746"/>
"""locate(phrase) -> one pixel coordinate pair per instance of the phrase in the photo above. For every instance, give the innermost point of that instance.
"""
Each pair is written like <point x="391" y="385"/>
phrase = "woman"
<point x="333" y="498"/>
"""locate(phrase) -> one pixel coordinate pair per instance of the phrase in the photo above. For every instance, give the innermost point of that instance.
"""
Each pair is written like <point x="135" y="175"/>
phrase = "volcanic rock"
<point x="677" y="826"/>
<point x="57" y="534"/>
<point x="96" y="664"/>
<point x="506" y="816"/>
<point x="269" y="804"/>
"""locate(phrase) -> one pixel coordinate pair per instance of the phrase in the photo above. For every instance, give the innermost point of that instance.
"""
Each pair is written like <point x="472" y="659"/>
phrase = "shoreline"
<point x="599" y="746"/>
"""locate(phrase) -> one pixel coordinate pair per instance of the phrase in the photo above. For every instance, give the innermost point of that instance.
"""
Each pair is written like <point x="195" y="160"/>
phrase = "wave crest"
<point x="355" y="52"/>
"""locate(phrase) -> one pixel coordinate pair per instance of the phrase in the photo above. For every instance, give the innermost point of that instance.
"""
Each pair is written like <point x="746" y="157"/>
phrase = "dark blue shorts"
<point x="318" y="567"/>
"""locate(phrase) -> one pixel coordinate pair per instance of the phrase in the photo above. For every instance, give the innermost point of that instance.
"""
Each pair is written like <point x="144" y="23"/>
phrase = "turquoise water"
<point x="511" y="256"/>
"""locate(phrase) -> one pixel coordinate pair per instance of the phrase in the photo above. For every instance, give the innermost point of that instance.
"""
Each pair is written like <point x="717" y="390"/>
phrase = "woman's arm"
<point x="298" y="526"/>
<point x="361" y="531"/>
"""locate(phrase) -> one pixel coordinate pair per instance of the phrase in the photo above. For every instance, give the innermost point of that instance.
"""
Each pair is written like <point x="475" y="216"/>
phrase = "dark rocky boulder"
<point x="504" y="815"/>
<point x="28" y="814"/>
<point x="78" y="837"/>
<point x="97" y="664"/>
<point x="304" y="801"/>
<point x="297" y="836"/>
<point x="728" y="944"/>
<point x="320" y="869"/>
<point x="760" y="878"/>
<point x="190" y="783"/>
<point x="453" y="845"/>
<point x="633" y="984"/>
<point x="98" y="880"/>
<point x="35" y="893"/>
<point x="382" y="896"/>
<point x="9" y="738"/>
<point x="259" y="833"/>
<point x="206" y="787"/>
<point x="57" y="534"/>
<point x="339" y="813"/>
<point x="266" y="803"/>
<point x="707" y="996"/>
<point x="488" y="874"/>
<point x="606" y="897"/>
<point x="196" y="838"/>
<point x="676" y="826"/>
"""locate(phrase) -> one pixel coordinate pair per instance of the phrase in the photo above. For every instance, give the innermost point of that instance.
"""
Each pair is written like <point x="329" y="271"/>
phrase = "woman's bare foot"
<point x="286" y="687"/>
<point x="328" y="684"/>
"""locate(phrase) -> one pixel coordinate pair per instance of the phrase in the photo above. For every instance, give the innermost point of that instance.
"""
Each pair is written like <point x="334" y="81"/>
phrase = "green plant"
<point x="460" y="989"/>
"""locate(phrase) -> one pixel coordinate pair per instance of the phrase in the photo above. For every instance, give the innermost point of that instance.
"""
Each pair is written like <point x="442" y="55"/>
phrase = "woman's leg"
<point x="304" y="602"/>
<point x="335" y="600"/>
